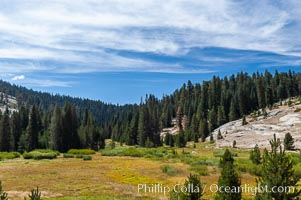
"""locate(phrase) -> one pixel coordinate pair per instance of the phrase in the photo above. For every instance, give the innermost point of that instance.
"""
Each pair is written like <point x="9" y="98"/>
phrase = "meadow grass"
<point x="115" y="173"/>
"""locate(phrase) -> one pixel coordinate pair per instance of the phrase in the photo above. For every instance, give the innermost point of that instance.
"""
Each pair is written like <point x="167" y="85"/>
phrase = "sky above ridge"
<point x="120" y="50"/>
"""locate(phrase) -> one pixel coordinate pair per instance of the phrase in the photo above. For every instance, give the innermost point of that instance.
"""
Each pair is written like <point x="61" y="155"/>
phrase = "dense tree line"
<point x="61" y="129"/>
<point x="209" y="105"/>
<point x="205" y="106"/>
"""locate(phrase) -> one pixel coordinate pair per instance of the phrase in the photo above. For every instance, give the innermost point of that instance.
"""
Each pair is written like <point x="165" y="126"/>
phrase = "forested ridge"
<point x="64" y="122"/>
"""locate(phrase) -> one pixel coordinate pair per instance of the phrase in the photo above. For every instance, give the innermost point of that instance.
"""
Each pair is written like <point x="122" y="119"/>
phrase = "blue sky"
<point x="120" y="50"/>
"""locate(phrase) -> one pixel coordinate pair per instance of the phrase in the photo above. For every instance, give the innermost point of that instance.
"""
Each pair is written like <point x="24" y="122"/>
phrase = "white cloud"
<point x="16" y="78"/>
<point x="77" y="32"/>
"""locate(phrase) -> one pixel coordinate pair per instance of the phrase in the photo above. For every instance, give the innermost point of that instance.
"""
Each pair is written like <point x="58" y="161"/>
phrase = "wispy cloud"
<point x="84" y="36"/>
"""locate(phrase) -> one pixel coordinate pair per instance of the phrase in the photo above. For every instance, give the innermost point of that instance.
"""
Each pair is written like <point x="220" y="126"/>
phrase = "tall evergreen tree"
<point x="180" y="140"/>
<point x="142" y="132"/>
<point x="16" y="129"/>
<point x="221" y="116"/>
<point x="277" y="172"/>
<point x="5" y="132"/>
<point x="33" y="129"/>
<point x="204" y="130"/>
<point x="133" y="131"/>
<point x="229" y="178"/>
<point x="69" y="128"/>
<point x="56" y="131"/>
<point x="233" y="115"/>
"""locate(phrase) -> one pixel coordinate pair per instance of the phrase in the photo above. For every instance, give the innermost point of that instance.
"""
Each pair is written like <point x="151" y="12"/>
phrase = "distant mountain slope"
<point x="103" y="112"/>
<point x="260" y="129"/>
<point x="7" y="101"/>
<point x="206" y="106"/>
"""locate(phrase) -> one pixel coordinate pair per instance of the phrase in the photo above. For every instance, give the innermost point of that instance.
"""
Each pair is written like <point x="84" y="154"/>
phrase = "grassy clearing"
<point x="115" y="173"/>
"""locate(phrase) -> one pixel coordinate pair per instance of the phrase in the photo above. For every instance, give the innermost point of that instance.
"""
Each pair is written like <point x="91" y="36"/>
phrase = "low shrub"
<point x="87" y="157"/>
<point x="48" y="151"/>
<point x="79" y="156"/>
<point x="81" y="151"/>
<point x="40" y="154"/>
<point x="9" y="155"/>
<point x="66" y="155"/>
<point x="170" y="170"/>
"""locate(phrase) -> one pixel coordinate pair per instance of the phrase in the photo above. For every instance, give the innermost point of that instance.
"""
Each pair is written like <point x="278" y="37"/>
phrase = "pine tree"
<point x="171" y="141"/>
<point x="179" y="118"/>
<point x="277" y="171"/>
<point x="142" y="134"/>
<point x="89" y="135"/>
<point x="229" y="178"/>
<point x="196" y="189"/>
<point x="244" y="121"/>
<point x="288" y="142"/>
<point x="221" y="116"/>
<point x="56" y="131"/>
<point x="234" y="144"/>
<point x="24" y="115"/>
<point x="180" y="140"/>
<point x="233" y="111"/>
<point x="16" y="129"/>
<point x="33" y="129"/>
<point x="69" y="128"/>
<point x="22" y="144"/>
<point x="219" y="135"/>
<point x="269" y="96"/>
<point x="260" y="92"/>
<point x="167" y="139"/>
<point x="133" y="131"/>
<point x="149" y="143"/>
<point x="204" y="130"/>
<point x="212" y="120"/>
<point x="211" y="138"/>
<point x="5" y="133"/>
<point x="255" y="155"/>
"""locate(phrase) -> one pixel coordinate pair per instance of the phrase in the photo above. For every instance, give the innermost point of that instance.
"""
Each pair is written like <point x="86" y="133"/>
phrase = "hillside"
<point x="200" y="108"/>
<point x="8" y="101"/>
<point x="260" y="129"/>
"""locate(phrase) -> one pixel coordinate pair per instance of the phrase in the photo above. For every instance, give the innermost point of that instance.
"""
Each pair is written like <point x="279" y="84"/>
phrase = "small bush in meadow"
<point x="81" y="151"/>
<point x="170" y="170"/>
<point x="40" y="154"/>
<point x="79" y="156"/>
<point x="87" y="157"/>
<point x="9" y="155"/>
<point x="48" y="151"/>
<point x="66" y="155"/>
